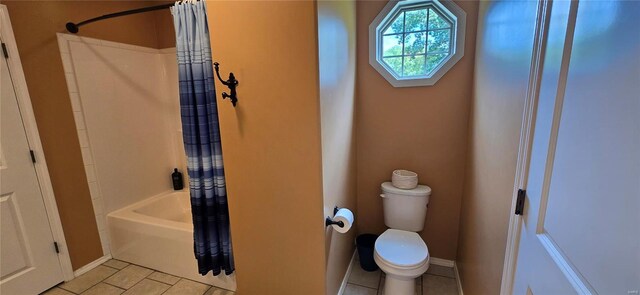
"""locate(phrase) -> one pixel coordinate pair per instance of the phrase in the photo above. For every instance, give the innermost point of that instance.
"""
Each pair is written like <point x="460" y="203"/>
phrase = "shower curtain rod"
<point x="73" y="28"/>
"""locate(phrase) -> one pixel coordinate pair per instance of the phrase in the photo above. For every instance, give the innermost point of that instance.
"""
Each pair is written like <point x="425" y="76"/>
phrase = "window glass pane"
<point x="439" y="41"/>
<point x="392" y="45"/>
<point x="414" y="43"/>
<point x="436" y="21"/>
<point x="396" y="26"/>
<point x="395" y="63"/>
<point x="414" y="66"/>
<point x="415" y="20"/>
<point x="433" y="60"/>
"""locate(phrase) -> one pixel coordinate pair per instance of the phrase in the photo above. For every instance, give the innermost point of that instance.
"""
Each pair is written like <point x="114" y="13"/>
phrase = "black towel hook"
<point x="232" y="83"/>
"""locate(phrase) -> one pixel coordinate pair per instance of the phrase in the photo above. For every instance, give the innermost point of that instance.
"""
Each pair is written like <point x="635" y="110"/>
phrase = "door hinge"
<point x="33" y="156"/>
<point x="55" y="246"/>
<point x="520" y="201"/>
<point x="5" y="51"/>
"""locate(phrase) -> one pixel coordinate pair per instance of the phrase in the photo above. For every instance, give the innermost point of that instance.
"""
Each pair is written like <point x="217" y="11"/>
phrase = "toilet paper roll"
<point x="346" y="216"/>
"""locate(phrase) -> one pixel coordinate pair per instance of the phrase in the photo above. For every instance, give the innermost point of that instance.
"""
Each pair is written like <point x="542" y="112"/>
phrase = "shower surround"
<point x="126" y="107"/>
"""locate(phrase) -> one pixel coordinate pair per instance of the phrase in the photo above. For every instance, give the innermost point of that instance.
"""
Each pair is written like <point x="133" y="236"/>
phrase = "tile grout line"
<point x="112" y="285"/>
<point x="150" y="280"/>
<point x="109" y="267"/>
<point x="362" y="285"/>
<point x="165" y="291"/>
<point x="220" y="288"/>
<point x="152" y="271"/>
<point x="148" y="277"/>
<point x="68" y="290"/>
<point x="437" y="275"/>
<point x="117" y="270"/>
<point x="205" y="291"/>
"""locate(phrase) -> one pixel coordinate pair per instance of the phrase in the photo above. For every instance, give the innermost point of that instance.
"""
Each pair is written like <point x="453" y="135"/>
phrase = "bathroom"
<point x="322" y="120"/>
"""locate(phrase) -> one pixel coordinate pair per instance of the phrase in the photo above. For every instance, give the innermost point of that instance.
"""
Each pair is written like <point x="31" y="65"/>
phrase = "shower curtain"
<point x="201" y="136"/>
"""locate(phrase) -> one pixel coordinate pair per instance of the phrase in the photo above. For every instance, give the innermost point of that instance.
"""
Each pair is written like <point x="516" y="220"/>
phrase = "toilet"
<point x="400" y="252"/>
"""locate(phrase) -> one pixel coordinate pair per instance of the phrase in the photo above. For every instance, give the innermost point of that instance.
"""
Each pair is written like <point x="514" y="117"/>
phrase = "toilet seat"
<point x="402" y="249"/>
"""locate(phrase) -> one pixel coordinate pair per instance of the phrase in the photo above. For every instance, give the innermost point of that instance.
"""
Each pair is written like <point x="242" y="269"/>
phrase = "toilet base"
<point x="399" y="286"/>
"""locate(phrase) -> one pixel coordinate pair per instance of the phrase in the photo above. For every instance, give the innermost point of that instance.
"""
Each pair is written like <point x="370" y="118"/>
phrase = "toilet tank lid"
<point x="419" y="191"/>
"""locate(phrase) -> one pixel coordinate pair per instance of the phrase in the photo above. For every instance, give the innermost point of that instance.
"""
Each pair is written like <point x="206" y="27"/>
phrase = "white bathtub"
<point x="158" y="233"/>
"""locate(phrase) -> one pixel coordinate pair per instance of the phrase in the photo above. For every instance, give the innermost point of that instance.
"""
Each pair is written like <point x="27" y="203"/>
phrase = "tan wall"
<point x="271" y="143"/>
<point x="35" y="25"/>
<point x="337" y="61"/>
<point x="423" y="129"/>
<point x="165" y="30"/>
<point x="496" y="114"/>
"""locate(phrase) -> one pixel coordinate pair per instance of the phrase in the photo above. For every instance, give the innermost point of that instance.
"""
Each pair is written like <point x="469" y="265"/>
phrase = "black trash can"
<point x="365" y="244"/>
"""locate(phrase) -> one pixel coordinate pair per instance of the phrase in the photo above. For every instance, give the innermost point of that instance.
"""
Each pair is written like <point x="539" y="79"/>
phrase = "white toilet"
<point x="400" y="252"/>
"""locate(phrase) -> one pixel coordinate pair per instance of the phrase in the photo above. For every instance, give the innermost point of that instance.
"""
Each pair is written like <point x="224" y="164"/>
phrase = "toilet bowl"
<point x="402" y="256"/>
<point x="400" y="252"/>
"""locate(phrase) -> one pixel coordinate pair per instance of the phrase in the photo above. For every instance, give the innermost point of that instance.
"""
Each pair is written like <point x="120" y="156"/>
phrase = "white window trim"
<point x="446" y="7"/>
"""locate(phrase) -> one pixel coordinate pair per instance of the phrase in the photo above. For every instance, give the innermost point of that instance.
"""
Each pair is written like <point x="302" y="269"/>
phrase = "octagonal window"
<point x="414" y="42"/>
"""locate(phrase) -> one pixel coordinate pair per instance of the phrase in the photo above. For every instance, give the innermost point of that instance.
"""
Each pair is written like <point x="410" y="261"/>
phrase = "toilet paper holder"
<point x="329" y="221"/>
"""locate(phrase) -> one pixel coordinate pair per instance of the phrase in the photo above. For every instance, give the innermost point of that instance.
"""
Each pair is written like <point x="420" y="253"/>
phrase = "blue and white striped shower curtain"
<point x="201" y="135"/>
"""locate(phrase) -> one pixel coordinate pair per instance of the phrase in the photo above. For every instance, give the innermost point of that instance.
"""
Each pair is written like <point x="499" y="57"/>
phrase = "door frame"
<point x="33" y="137"/>
<point x="525" y="144"/>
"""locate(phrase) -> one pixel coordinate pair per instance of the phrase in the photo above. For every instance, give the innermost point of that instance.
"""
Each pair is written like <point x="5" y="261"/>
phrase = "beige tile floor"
<point x="116" y="277"/>
<point x="438" y="280"/>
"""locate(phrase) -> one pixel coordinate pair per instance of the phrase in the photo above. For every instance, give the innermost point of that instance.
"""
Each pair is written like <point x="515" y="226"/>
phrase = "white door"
<point x="28" y="260"/>
<point x="581" y="222"/>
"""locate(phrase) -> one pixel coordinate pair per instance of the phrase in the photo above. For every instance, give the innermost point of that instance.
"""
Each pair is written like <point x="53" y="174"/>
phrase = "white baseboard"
<point x="91" y="265"/>
<point x="448" y="263"/>
<point x="346" y="274"/>
<point x="441" y="262"/>
<point x="455" y="269"/>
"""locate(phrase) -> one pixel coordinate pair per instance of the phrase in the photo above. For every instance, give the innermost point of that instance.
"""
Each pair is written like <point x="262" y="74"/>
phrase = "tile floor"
<point x="438" y="280"/>
<point x="116" y="277"/>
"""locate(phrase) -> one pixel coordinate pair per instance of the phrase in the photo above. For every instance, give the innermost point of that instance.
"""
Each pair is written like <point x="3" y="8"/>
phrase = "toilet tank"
<point x="405" y="209"/>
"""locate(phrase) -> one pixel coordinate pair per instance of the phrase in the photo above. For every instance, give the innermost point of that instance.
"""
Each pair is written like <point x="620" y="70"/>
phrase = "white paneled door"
<point x="580" y="232"/>
<point x="28" y="260"/>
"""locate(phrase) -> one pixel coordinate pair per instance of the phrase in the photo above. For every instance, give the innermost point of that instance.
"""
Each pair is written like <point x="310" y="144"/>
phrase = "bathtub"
<point x="157" y="233"/>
